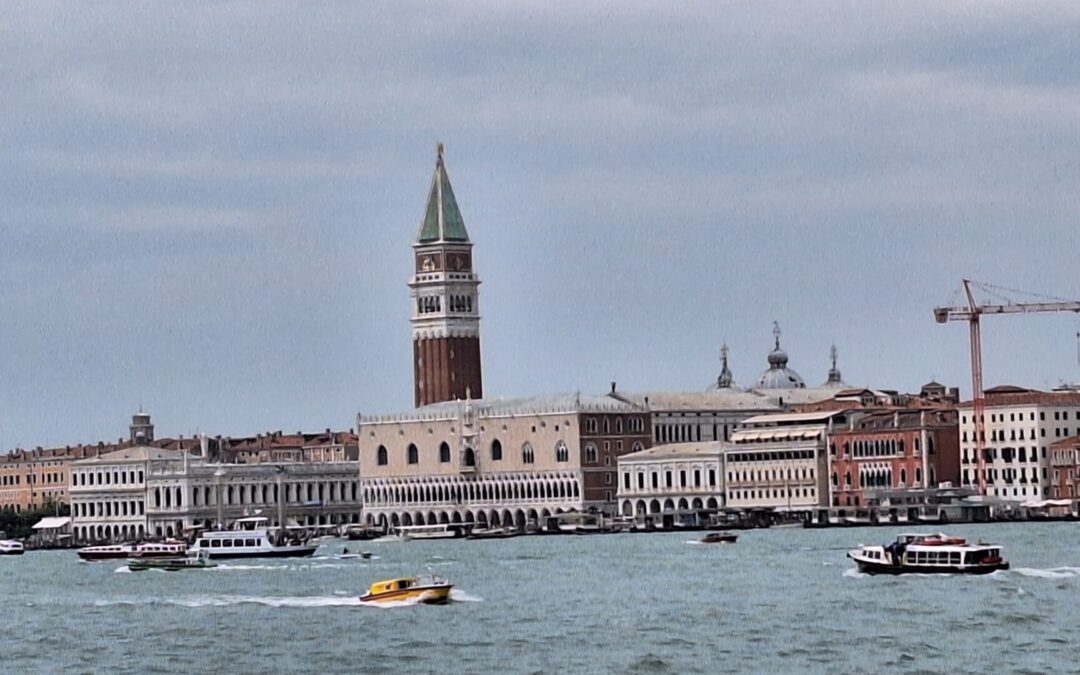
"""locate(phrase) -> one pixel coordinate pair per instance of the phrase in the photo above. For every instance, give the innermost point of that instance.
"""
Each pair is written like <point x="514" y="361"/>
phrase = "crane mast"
<point x="972" y="313"/>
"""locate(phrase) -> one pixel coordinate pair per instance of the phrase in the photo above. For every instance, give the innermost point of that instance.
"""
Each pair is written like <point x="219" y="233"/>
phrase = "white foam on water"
<point x="692" y="542"/>
<point x="226" y="567"/>
<point x="122" y="570"/>
<point x="458" y="595"/>
<point x="854" y="573"/>
<point x="1053" y="573"/>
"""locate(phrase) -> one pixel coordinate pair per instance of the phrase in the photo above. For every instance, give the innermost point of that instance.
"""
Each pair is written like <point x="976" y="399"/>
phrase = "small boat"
<point x="929" y="554"/>
<point x="719" y="538"/>
<point x="198" y="562"/>
<point x="411" y="532"/>
<point x="11" y="547"/>
<point x="493" y="533"/>
<point x="166" y="549"/>
<point x="347" y="555"/>
<point x="428" y="589"/>
<point x="253" y="538"/>
<point x="361" y="533"/>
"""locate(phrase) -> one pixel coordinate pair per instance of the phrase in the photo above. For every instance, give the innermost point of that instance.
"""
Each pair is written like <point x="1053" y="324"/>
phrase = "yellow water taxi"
<point x="430" y="590"/>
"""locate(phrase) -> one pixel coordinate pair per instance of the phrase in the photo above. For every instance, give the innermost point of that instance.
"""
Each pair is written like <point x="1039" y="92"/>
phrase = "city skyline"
<point x="234" y="258"/>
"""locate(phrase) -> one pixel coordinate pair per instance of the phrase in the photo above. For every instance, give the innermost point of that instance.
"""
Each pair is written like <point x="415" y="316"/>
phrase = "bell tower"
<point x="446" y="311"/>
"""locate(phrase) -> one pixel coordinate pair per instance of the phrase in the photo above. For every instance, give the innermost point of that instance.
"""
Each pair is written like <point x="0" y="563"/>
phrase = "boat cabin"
<point x="391" y="585"/>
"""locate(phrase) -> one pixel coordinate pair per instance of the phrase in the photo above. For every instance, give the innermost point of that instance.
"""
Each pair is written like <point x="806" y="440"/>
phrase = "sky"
<point x="207" y="209"/>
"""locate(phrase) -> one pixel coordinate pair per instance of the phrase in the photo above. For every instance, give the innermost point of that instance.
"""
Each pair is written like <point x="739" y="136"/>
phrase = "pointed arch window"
<point x="444" y="452"/>
<point x="470" y="457"/>
<point x="562" y="453"/>
<point x="380" y="456"/>
<point x="412" y="454"/>
<point x="590" y="454"/>
<point x="496" y="450"/>
<point x="527" y="454"/>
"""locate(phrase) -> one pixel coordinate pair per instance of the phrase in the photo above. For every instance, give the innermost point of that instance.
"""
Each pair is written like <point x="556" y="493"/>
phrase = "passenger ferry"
<point x="446" y="531"/>
<point x="929" y="554"/>
<point x="11" y="547"/>
<point x="166" y="549"/>
<point x="430" y="590"/>
<point x="253" y="538"/>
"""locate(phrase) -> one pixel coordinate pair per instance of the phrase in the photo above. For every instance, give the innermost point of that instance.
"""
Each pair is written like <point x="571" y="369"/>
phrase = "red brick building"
<point x="1065" y="468"/>
<point x="446" y="311"/>
<point x="893" y="450"/>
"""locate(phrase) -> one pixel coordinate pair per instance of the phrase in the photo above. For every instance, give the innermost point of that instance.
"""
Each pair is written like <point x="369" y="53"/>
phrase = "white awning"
<point x="52" y="523"/>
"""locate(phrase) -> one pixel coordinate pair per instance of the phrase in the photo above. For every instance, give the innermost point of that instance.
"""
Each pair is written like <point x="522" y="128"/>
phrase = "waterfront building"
<point x="893" y="452"/>
<point x="1065" y="468"/>
<point x="1020" y="426"/>
<point x="108" y="493"/>
<point x="509" y="462"/>
<point x="445" y="301"/>
<point x="780" y="461"/>
<point x="276" y="447"/>
<point x="696" y="417"/>
<point x="30" y="479"/>
<point x="669" y="484"/>
<point x="143" y="491"/>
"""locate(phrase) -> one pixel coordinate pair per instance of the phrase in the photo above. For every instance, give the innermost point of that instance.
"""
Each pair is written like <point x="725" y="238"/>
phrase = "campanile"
<point x="444" y="290"/>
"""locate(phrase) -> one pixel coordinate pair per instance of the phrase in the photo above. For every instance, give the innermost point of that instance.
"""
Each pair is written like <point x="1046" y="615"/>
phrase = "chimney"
<point x="204" y="447"/>
<point x="612" y="387"/>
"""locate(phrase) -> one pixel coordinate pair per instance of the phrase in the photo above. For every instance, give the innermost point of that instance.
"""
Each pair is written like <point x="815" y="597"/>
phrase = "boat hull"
<point x="167" y="565"/>
<point x="872" y="567"/>
<point x="18" y="551"/>
<point x="292" y="552"/>
<point x="428" y="595"/>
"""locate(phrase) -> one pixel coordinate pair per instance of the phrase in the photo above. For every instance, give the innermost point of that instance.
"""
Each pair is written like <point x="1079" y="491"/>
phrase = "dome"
<point x="778" y="375"/>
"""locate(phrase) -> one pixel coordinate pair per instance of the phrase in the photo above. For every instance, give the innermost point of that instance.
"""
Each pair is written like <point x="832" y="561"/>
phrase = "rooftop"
<point x="679" y="451"/>
<point x="546" y="404"/>
<point x="442" y="218"/>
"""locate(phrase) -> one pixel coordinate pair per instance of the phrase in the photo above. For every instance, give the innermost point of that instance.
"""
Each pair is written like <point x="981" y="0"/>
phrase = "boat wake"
<point x="225" y="567"/>
<point x="1054" y="573"/>
<point x="195" y="602"/>
<point x="693" y="542"/>
<point x="854" y="573"/>
<point x="122" y="570"/>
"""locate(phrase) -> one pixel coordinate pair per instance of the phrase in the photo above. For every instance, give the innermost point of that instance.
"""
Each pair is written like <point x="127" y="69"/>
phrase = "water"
<point x="777" y="601"/>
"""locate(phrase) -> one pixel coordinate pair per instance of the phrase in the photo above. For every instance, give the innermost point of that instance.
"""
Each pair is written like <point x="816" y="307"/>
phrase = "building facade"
<point x="141" y="491"/>
<point x="498" y="462"/>
<point x="445" y="301"/>
<point x="670" y="484"/>
<point x="893" y="450"/>
<point x="780" y="462"/>
<point x="1020" y="425"/>
<point x="1065" y="468"/>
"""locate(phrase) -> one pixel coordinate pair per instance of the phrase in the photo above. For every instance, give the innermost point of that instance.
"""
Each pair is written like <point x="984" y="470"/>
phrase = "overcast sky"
<point x="207" y="209"/>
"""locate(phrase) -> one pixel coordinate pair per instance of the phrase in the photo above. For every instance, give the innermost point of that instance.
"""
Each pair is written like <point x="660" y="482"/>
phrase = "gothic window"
<point x="637" y="446"/>
<point x="527" y="455"/>
<point x="590" y="425"/>
<point x="618" y="425"/>
<point x="412" y="454"/>
<point x="380" y="456"/>
<point x="590" y="454"/>
<point x="470" y="457"/>
<point x="562" y="453"/>
<point x="444" y="452"/>
<point x="496" y="450"/>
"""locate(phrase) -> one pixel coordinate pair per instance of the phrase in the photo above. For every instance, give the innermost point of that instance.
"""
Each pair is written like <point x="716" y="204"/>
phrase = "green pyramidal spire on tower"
<point x="442" y="218"/>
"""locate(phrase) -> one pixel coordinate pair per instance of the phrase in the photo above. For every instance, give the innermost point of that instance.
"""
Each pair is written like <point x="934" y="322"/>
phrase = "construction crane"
<point x="972" y="313"/>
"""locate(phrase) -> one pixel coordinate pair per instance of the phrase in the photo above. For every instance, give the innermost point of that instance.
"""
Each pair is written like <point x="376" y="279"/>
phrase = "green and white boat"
<point x="197" y="562"/>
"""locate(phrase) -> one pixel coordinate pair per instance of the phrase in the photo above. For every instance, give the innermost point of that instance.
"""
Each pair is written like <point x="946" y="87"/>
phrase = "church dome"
<point x="778" y="375"/>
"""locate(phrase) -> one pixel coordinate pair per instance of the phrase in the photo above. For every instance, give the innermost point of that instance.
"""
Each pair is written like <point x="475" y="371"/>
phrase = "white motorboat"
<point x="253" y="538"/>
<point x="445" y="531"/>
<point x="929" y="554"/>
<point x="11" y="547"/>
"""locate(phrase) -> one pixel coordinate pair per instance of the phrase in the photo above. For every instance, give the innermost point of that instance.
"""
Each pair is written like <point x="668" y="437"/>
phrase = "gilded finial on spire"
<point x="776" y="332"/>
<point x="439" y="148"/>
<point x="725" y="381"/>
<point x="832" y="355"/>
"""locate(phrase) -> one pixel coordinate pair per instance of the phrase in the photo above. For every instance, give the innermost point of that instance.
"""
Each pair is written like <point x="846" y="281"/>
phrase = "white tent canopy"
<point x="52" y="523"/>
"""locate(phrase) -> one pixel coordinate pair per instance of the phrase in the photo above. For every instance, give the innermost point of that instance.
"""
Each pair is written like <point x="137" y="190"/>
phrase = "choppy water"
<point x="777" y="601"/>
